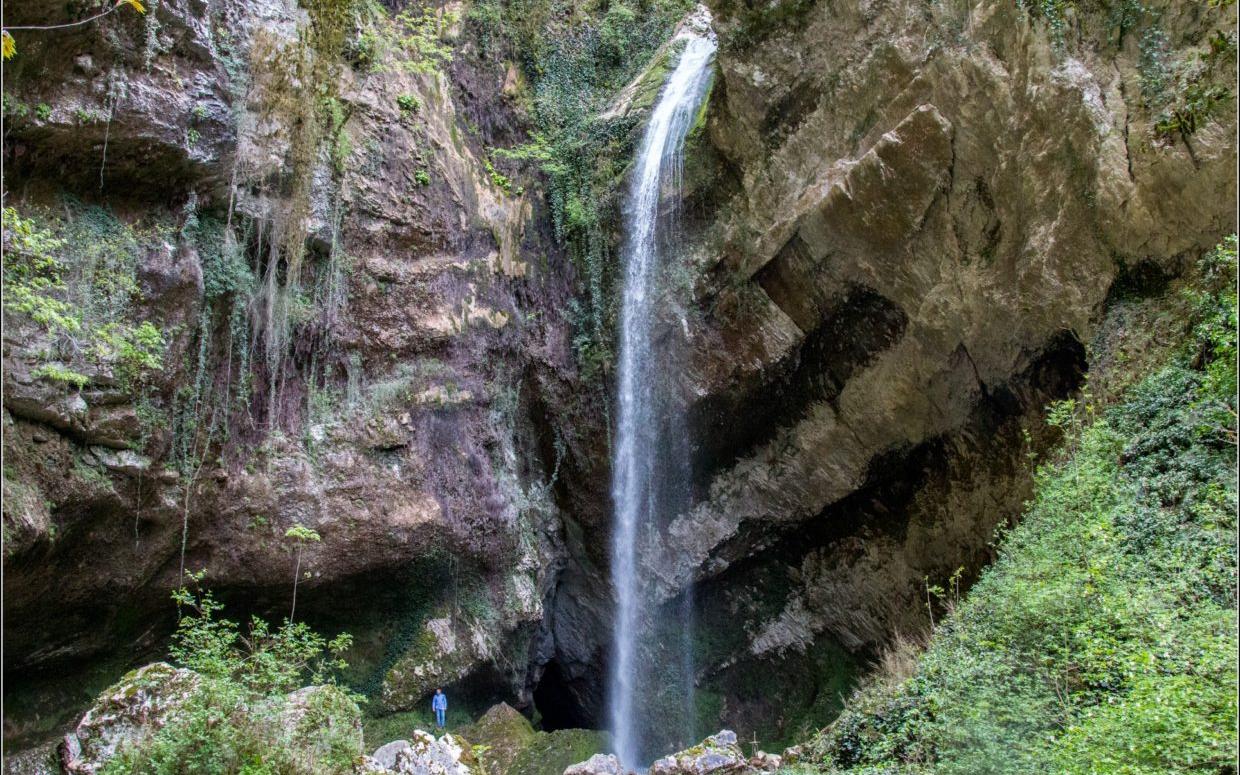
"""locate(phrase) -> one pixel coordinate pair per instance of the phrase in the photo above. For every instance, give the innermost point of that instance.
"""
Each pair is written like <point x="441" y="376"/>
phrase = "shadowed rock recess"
<point x="908" y="227"/>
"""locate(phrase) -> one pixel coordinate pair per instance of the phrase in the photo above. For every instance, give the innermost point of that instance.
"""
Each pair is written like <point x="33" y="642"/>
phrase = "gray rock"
<point x="718" y="754"/>
<point x="368" y="765"/>
<point x="598" y="764"/>
<point x="426" y="755"/>
<point x="385" y="755"/>
<point x="144" y="699"/>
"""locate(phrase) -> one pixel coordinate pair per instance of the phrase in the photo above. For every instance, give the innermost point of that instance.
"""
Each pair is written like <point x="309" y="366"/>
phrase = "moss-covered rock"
<point x="500" y="736"/>
<point x="144" y="700"/>
<point x="550" y="753"/>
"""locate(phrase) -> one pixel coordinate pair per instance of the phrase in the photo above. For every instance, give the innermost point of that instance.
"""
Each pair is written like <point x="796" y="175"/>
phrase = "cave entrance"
<point x="556" y="702"/>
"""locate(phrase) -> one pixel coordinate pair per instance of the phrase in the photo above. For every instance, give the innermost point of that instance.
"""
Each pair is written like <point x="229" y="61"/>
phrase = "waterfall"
<point x="645" y="467"/>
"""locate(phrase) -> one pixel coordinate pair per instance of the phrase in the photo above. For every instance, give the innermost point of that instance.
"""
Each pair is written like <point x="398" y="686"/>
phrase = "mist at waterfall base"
<point x="650" y="466"/>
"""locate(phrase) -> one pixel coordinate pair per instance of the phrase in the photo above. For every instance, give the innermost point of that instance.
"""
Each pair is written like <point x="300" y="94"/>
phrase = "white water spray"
<point x="641" y="459"/>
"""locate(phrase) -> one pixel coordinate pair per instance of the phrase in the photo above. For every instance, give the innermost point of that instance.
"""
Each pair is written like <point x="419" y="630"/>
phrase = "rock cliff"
<point x="906" y="226"/>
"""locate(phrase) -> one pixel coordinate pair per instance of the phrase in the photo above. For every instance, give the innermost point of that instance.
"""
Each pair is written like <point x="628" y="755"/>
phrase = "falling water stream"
<point x="644" y="464"/>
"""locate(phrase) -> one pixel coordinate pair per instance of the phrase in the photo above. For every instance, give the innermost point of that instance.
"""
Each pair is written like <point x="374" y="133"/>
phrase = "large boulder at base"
<point x="507" y="744"/>
<point x="719" y="754"/>
<point x="503" y="732"/>
<point x="322" y="720"/>
<point x="598" y="764"/>
<point x="134" y="706"/>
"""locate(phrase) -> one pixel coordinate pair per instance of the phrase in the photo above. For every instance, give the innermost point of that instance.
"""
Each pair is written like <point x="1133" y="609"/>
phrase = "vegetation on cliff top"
<point x="1104" y="637"/>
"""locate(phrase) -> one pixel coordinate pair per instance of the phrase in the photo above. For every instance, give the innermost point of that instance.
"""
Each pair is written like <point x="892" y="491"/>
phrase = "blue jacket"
<point x="439" y="702"/>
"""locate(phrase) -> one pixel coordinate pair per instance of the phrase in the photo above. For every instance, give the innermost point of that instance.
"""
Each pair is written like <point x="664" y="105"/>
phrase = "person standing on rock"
<point x="439" y="704"/>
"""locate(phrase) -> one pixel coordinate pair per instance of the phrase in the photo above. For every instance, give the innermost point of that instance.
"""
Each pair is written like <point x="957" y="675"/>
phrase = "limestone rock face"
<point x="401" y="424"/>
<point x="910" y="223"/>
<point x="952" y="181"/>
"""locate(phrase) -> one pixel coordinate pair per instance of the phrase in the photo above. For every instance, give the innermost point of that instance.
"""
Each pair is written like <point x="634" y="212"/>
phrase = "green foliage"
<point x="1103" y="638"/>
<point x="412" y="40"/>
<point x="422" y="177"/>
<point x="1196" y="105"/>
<point x="79" y="287"/>
<point x="33" y="281"/>
<point x="1215" y="330"/>
<point x="576" y="60"/>
<point x="409" y="103"/>
<point x="43" y="111"/>
<point x="58" y="373"/>
<point x="499" y="180"/>
<point x="238" y="720"/>
<point x="132" y="350"/>
<point x="301" y="534"/>
<point x="1185" y="90"/>
<point x="1051" y="12"/>
<point x="341" y="146"/>
<point x="420" y="37"/>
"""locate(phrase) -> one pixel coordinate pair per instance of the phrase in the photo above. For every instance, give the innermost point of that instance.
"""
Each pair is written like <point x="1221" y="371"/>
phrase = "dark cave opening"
<point x="556" y="703"/>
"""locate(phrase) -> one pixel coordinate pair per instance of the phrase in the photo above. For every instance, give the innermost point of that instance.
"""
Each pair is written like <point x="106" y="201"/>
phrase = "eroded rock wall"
<point x="393" y="412"/>
<point x="911" y="220"/>
<point x="906" y="226"/>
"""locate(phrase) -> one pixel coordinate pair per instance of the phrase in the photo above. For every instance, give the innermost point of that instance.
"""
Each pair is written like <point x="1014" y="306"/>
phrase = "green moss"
<point x="550" y="753"/>
<point x="501" y="734"/>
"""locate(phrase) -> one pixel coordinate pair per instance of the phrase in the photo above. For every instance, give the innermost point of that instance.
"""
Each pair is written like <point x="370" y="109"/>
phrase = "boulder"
<point x="503" y="732"/>
<point x="323" y="720"/>
<point x="426" y="755"/>
<point x="598" y="764"/>
<point x="369" y="764"/>
<point x="385" y="755"/>
<point x="719" y="754"/>
<point x="141" y="701"/>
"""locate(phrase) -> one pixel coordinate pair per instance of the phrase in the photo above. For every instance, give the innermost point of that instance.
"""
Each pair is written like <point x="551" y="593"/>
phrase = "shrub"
<point x="408" y="103"/>
<point x="240" y="719"/>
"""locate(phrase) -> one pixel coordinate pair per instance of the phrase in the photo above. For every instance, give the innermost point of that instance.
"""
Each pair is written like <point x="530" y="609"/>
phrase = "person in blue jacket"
<point x="439" y="704"/>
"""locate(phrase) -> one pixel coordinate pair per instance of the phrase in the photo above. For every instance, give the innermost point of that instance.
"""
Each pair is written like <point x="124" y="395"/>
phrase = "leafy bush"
<point x="1103" y="638"/>
<point x="409" y="103"/>
<point x="241" y="720"/>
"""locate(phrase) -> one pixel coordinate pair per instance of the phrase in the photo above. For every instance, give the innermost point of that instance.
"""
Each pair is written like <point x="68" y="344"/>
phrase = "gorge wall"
<point x="909" y="225"/>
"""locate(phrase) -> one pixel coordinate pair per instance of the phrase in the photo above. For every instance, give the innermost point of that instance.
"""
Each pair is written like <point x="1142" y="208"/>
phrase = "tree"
<point x="301" y="534"/>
